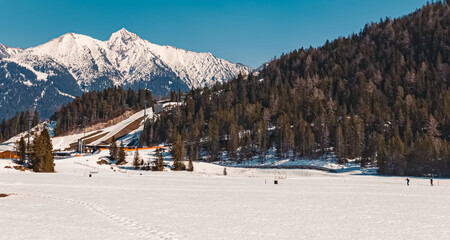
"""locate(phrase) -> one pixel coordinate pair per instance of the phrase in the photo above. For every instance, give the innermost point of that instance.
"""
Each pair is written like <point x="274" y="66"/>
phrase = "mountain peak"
<point x="6" y="51"/>
<point x="123" y="35"/>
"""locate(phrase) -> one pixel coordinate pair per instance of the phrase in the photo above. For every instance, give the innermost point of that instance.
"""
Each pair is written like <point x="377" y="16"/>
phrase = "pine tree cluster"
<point x="381" y="96"/>
<point x="19" y="123"/>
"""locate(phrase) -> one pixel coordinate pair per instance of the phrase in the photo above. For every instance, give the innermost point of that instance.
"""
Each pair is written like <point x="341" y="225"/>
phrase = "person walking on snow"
<point x="431" y="181"/>
<point x="407" y="181"/>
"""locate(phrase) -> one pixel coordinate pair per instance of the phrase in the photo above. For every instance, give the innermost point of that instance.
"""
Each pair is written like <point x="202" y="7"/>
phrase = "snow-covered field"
<point x="245" y="204"/>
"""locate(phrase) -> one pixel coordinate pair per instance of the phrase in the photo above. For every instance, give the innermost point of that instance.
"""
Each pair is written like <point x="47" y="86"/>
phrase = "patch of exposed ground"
<point x="102" y="162"/>
<point x="21" y="168"/>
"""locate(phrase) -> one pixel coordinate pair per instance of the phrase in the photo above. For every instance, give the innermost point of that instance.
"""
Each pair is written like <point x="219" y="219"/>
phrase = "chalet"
<point x="8" y="155"/>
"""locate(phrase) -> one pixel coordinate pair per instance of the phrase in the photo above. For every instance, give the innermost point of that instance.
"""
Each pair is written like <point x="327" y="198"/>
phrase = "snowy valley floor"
<point x="245" y="204"/>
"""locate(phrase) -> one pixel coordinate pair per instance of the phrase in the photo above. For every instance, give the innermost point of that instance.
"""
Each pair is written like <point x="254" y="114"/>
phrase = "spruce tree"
<point x="42" y="157"/>
<point x="137" y="159"/>
<point x="160" y="160"/>
<point x="35" y="120"/>
<point x="121" y="158"/>
<point x="177" y="153"/>
<point x="113" y="151"/>
<point x="339" y="142"/>
<point x="22" y="150"/>
<point x="233" y="141"/>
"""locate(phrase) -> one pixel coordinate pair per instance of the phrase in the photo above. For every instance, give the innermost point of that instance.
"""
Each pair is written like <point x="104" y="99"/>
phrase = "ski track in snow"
<point x="137" y="229"/>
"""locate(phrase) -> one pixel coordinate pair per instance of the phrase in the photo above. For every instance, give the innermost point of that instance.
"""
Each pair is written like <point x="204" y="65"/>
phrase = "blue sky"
<point x="249" y="32"/>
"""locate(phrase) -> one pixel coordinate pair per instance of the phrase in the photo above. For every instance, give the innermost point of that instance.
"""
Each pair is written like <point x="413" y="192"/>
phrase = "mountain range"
<point x="54" y="73"/>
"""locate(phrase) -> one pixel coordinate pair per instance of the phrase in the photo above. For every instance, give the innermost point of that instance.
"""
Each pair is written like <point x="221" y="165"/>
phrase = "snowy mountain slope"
<point x="75" y="63"/>
<point x="6" y="52"/>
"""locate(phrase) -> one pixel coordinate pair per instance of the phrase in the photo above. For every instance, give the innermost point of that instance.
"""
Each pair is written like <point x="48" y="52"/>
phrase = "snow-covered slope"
<point x="73" y="63"/>
<point x="6" y="52"/>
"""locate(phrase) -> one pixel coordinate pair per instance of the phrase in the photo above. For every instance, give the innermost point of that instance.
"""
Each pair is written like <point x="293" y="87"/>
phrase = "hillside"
<point x="56" y="72"/>
<point x="381" y="97"/>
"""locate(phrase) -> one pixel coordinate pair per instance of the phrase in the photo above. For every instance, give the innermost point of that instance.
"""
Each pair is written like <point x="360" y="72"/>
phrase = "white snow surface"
<point x="6" y="52"/>
<point x="125" y="58"/>
<point x="130" y="204"/>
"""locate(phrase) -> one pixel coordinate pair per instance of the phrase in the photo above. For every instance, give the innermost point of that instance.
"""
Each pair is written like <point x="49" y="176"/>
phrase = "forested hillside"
<point x="381" y="95"/>
<point x="99" y="106"/>
<point x="17" y="124"/>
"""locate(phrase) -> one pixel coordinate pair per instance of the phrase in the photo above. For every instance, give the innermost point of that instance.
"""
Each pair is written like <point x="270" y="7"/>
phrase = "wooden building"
<point x="8" y="155"/>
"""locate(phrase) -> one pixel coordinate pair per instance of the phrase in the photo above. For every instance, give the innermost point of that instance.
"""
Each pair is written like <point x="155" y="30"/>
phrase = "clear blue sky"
<point x="249" y="32"/>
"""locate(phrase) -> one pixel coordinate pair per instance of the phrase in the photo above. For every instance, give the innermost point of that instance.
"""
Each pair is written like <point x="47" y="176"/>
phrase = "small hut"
<point x="8" y="155"/>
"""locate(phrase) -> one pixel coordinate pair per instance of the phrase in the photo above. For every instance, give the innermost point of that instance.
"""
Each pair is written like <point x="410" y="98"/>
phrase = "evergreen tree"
<point x="339" y="142"/>
<point x="42" y="156"/>
<point x="177" y="154"/>
<point x="113" y="150"/>
<point x="137" y="160"/>
<point x="213" y="140"/>
<point x="35" y="120"/>
<point x="121" y="159"/>
<point x="233" y="141"/>
<point x="160" y="160"/>
<point x="22" y="150"/>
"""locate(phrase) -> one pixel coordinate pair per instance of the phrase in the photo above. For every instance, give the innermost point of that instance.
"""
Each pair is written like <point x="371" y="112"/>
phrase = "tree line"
<point x="381" y="96"/>
<point x="19" y="123"/>
<point x="99" y="106"/>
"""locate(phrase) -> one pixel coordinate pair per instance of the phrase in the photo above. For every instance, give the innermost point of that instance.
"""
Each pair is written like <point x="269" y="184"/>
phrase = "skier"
<point x="431" y="181"/>
<point x="407" y="181"/>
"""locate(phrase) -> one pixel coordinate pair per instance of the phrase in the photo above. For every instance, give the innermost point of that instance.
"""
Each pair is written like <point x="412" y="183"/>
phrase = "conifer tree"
<point x="233" y="141"/>
<point x="22" y="150"/>
<point x="137" y="159"/>
<point x="121" y="159"/>
<point x="339" y="142"/>
<point x="35" y="120"/>
<point x="213" y="137"/>
<point x="113" y="151"/>
<point x="42" y="156"/>
<point x="177" y="154"/>
<point x="160" y="160"/>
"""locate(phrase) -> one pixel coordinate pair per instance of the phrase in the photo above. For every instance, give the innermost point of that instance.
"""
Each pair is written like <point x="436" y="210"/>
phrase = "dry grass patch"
<point x="102" y="162"/>
<point x="21" y="168"/>
<point x="122" y="163"/>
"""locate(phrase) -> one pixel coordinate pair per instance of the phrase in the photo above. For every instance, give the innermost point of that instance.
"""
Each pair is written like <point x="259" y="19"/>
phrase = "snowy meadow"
<point x="205" y="204"/>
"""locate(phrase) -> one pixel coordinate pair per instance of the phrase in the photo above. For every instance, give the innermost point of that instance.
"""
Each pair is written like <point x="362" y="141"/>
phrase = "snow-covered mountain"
<point x="8" y="51"/>
<point x="55" y="72"/>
